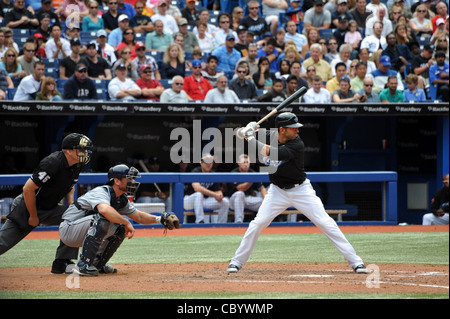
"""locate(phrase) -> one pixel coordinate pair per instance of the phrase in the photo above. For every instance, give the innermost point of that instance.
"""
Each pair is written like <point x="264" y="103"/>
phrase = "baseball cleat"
<point x="108" y="269"/>
<point x="232" y="269"/>
<point x="361" y="269"/>
<point x="85" y="270"/>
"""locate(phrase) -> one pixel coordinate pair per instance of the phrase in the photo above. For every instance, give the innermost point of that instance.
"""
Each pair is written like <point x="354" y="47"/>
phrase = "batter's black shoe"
<point x="62" y="266"/>
<point x="361" y="269"/>
<point x="232" y="269"/>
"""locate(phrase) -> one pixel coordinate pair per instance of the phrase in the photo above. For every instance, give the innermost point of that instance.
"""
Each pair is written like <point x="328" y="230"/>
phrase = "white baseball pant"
<point x="304" y="199"/>
<point x="239" y="202"/>
<point x="198" y="202"/>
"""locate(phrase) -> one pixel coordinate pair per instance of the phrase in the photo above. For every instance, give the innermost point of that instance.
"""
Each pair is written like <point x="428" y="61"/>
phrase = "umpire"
<point x="40" y="201"/>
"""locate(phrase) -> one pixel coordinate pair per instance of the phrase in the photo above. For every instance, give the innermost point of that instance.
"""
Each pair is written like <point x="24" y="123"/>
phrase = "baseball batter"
<point x="289" y="187"/>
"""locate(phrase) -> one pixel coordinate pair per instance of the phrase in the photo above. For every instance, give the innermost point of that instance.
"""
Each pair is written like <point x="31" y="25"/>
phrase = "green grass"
<point x="402" y="248"/>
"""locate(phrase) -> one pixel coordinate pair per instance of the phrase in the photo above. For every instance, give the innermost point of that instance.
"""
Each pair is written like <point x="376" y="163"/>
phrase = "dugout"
<point x="411" y="139"/>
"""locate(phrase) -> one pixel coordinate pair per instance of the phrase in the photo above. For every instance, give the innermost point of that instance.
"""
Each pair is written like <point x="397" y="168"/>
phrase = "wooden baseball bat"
<point x="300" y="92"/>
<point x="144" y="167"/>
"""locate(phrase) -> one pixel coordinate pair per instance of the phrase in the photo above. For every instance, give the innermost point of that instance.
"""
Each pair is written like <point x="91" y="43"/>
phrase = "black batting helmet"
<point x="287" y="119"/>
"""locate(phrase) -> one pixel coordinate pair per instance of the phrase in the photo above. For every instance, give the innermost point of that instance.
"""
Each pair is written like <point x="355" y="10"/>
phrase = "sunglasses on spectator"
<point x="178" y="83"/>
<point x="30" y="50"/>
<point x="11" y="55"/>
<point x="94" y="7"/>
<point x="369" y="85"/>
<point x="128" y="33"/>
<point x="311" y="70"/>
<point x="126" y="52"/>
<point x="253" y="8"/>
<point x="241" y="71"/>
<point x="147" y="71"/>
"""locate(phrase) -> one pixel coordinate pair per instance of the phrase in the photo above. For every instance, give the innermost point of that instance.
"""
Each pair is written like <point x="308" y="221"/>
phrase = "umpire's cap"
<point x="287" y="119"/>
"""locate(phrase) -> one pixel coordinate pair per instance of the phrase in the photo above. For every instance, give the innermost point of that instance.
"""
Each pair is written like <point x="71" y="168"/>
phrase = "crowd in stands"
<point x="343" y="51"/>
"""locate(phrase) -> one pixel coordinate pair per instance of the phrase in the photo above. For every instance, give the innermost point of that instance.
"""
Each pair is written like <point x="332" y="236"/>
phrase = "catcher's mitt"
<point x="170" y="221"/>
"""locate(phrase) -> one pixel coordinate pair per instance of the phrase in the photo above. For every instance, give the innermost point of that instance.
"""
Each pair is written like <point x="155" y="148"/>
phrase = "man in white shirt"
<point x="375" y="42"/>
<point x="170" y="24"/>
<point x="57" y="47"/>
<point x="31" y="84"/>
<point x="221" y="94"/>
<point x="176" y="93"/>
<point x="379" y="15"/>
<point x="121" y="87"/>
<point x="292" y="34"/>
<point x="317" y="94"/>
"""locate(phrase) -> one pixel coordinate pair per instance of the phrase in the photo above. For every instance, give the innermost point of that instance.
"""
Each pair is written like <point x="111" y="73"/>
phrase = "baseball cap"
<point x="123" y="17"/>
<point x="207" y="158"/>
<point x="161" y="2"/>
<point x="182" y="21"/>
<point x="153" y="160"/>
<point x="428" y="47"/>
<point x="343" y="18"/>
<point x="241" y="28"/>
<point x="101" y="33"/>
<point x="341" y="1"/>
<point x="385" y="60"/>
<point x="92" y="44"/>
<point x="43" y="16"/>
<point x="344" y="78"/>
<point x="140" y="45"/>
<point x="46" y="1"/>
<point x="230" y="37"/>
<point x="145" y="66"/>
<point x="39" y="36"/>
<point x="80" y="67"/>
<point x="196" y="63"/>
<point x="318" y="2"/>
<point x="75" y="141"/>
<point x="121" y="66"/>
<point x="440" y="21"/>
<point x="75" y="41"/>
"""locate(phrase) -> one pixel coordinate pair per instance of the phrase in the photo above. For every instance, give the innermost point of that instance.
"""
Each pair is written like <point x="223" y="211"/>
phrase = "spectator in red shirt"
<point x="195" y="85"/>
<point x="151" y="89"/>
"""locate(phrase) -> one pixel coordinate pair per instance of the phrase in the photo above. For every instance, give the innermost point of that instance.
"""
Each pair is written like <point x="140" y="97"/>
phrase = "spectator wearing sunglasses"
<point x="176" y="94"/>
<point x="79" y="86"/>
<point x="28" y="59"/>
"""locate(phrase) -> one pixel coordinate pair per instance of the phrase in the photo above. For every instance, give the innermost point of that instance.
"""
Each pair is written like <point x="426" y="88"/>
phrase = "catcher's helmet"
<point x="287" y="119"/>
<point x="123" y="171"/>
<point x="80" y="142"/>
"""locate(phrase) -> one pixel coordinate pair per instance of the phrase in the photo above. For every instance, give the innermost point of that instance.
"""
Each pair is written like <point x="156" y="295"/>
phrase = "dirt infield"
<point x="254" y="277"/>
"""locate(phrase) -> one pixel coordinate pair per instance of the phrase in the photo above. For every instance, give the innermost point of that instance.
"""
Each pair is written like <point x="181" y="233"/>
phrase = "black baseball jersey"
<point x="55" y="178"/>
<point x="212" y="186"/>
<point x="440" y="200"/>
<point x="289" y="162"/>
<point x="250" y="191"/>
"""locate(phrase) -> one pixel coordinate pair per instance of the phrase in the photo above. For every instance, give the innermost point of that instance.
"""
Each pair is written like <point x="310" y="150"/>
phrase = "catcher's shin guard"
<point x="94" y="238"/>
<point x="112" y="244"/>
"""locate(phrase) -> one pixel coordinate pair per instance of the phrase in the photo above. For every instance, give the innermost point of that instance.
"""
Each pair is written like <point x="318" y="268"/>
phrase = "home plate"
<point x="312" y="276"/>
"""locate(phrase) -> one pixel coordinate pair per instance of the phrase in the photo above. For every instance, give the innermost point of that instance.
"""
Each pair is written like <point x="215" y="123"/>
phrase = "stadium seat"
<point x="53" y="72"/>
<point x="102" y="94"/>
<point x="21" y="33"/>
<point x="166" y="83"/>
<point x="100" y="84"/>
<point x="326" y="33"/>
<point x="88" y="36"/>
<point x="11" y="93"/>
<point x="51" y="63"/>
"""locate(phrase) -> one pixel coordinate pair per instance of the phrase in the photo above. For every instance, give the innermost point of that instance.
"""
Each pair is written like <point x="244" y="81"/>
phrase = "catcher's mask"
<point x="123" y="171"/>
<point x="81" y="143"/>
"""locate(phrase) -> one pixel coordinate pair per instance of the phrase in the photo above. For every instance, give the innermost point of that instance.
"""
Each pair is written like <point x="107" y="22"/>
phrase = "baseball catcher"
<point x="97" y="222"/>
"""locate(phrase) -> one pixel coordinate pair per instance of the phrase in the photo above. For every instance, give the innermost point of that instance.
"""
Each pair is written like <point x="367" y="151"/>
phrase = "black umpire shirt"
<point x="289" y="162"/>
<point x="55" y="178"/>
